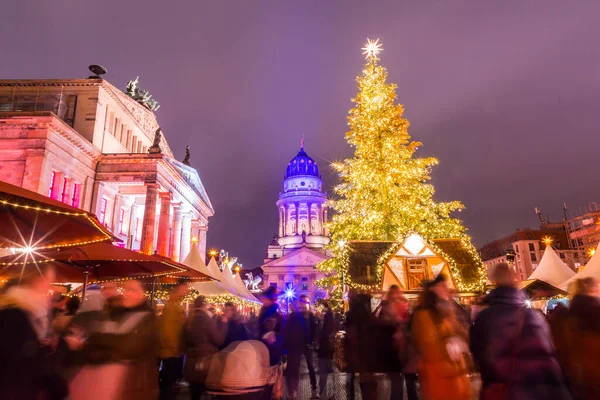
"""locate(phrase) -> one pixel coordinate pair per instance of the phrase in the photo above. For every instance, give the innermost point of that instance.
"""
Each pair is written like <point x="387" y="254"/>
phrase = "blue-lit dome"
<point x="302" y="165"/>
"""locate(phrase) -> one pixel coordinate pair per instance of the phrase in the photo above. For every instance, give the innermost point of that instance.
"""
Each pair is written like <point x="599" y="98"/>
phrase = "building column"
<point x="309" y="214"/>
<point x="162" y="242"/>
<point x="281" y="219"/>
<point x="175" y="233"/>
<point x="297" y="205"/>
<point x="324" y="221"/>
<point x="203" y="230"/>
<point x="286" y="219"/>
<point x="186" y="230"/>
<point x="148" y="222"/>
<point x="319" y="219"/>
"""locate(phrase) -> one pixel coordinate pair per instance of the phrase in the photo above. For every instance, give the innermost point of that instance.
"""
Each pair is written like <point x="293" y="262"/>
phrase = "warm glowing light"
<point x="22" y="250"/>
<point x="591" y="252"/>
<point x="547" y="240"/>
<point x="213" y="253"/>
<point x="372" y="49"/>
<point x="195" y="239"/>
<point x="341" y="243"/>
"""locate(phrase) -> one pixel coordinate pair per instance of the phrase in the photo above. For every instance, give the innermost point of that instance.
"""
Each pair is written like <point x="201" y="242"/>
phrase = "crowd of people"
<point x="113" y="345"/>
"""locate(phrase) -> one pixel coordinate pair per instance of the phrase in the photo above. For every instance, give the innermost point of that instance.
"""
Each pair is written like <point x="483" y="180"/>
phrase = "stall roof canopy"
<point x="591" y="270"/>
<point x="551" y="269"/>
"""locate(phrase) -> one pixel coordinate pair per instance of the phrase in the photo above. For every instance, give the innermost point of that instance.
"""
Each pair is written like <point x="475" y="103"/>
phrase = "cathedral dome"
<point x="302" y="165"/>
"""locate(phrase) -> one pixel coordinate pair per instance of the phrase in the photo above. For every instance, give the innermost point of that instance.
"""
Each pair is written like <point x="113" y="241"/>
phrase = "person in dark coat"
<point x="269" y="324"/>
<point x="325" y="351"/>
<point x="26" y="370"/>
<point x="512" y="347"/>
<point x="393" y="318"/>
<point x="236" y="331"/>
<point x="576" y="334"/>
<point x="361" y="346"/>
<point x="269" y="332"/>
<point x="298" y="337"/>
<point x="204" y="336"/>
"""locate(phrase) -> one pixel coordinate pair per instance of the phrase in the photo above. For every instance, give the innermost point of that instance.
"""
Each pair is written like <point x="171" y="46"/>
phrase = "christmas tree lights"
<point x="383" y="192"/>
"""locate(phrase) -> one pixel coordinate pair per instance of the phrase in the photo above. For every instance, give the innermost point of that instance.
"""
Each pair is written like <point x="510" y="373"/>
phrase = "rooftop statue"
<point x="186" y="159"/>
<point x="141" y="96"/>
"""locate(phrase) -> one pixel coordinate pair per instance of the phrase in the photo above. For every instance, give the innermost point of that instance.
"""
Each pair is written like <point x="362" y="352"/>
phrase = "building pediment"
<point x="192" y="178"/>
<point x="303" y="257"/>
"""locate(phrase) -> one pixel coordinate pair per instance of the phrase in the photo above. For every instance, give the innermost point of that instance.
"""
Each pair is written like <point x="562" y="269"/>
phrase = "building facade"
<point x="302" y="235"/>
<point x="88" y="144"/>
<point x="527" y="247"/>
<point x="583" y="229"/>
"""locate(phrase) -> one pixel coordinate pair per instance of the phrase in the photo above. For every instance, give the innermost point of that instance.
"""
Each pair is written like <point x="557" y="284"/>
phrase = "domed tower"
<point x="302" y="205"/>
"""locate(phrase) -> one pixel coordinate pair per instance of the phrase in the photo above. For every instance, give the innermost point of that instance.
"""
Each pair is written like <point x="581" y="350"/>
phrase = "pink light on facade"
<point x="64" y="196"/>
<point x="121" y="217"/>
<point x="102" y="215"/>
<point x="76" y="194"/>
<point x="52" y="178"/>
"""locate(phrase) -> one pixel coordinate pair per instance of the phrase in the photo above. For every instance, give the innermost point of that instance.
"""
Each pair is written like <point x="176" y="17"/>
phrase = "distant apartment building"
<point x="583" y="228"/>
<point x="527" y="247"/>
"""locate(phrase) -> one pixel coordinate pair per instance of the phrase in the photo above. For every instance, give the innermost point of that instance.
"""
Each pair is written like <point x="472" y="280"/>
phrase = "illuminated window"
<point x="76" y="194"/>
<point x="121" y="218"/>
<point x="305" y="286"/>
<point x="64" y="196"/>
<point x="52" y="179"/>
<point x="102" y="215"/>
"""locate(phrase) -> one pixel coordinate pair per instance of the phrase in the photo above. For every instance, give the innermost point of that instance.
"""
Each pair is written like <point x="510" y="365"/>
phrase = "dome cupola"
<point x="302" y="165"/>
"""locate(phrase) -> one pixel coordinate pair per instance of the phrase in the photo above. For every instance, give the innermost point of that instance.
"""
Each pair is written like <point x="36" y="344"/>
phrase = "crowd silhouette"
<point x="114" y="345"/>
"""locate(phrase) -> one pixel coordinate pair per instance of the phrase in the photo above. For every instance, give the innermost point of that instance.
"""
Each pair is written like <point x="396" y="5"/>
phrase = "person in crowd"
<point x="512" y="347"/>
<point x="203" y="336"/>
<point x="269" y="324"/>
<point x="120" y="352"/>
<point x="236" y="331"/>
<point x="112" y="297"/>
<point x="410" y="362"/>
<point x="61" y="322"/>
<point x="171" y="347"/>
<point x="299" y="337"/>
<point x="441" y="341"/>
<point x="361" y="346"/>
<point x="26" y="371"/>
<point x="269" y="332"/>
<point x="576" y="334"/>
<point x="394" y="317"/>
<point x="325" y="351"/>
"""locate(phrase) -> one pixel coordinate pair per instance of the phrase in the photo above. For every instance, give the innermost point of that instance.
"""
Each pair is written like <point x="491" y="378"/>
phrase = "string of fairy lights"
<point x="106" y="236"/>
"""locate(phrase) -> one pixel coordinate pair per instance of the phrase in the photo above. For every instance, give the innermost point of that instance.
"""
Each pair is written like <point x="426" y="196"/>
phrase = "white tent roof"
<point x="225" y="276"/>
<point x="210" y="288"/>
<point x="551" y="269"/>
<point x="242" y="289"/>
<point x="591" y="270"/>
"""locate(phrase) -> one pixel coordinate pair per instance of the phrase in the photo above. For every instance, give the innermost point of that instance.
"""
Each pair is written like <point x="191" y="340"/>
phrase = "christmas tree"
<point x="383" y="192"/>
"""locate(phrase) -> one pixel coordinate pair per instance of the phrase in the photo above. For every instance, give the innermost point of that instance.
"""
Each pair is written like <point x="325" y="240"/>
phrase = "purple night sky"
<point x="506" y="94"/>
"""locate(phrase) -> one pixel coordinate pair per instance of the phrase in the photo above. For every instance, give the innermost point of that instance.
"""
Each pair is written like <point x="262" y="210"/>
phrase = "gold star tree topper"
<point x="372" y="49"/>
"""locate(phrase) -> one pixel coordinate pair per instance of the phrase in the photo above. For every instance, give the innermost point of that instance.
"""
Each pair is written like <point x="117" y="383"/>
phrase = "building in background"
<point x="90" y="145"/>
<point x="299" y="246"/>
<point x="527" y="247"/>
<point x="583" y="228"/>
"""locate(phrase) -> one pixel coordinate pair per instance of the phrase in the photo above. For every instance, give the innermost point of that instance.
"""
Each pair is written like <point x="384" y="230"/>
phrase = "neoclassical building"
<point x="88" y="144"/>
<point x="299" y="245"/>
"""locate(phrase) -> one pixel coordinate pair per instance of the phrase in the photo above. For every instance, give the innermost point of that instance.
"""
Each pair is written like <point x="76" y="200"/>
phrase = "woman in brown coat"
<point x="441" y="342"/>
